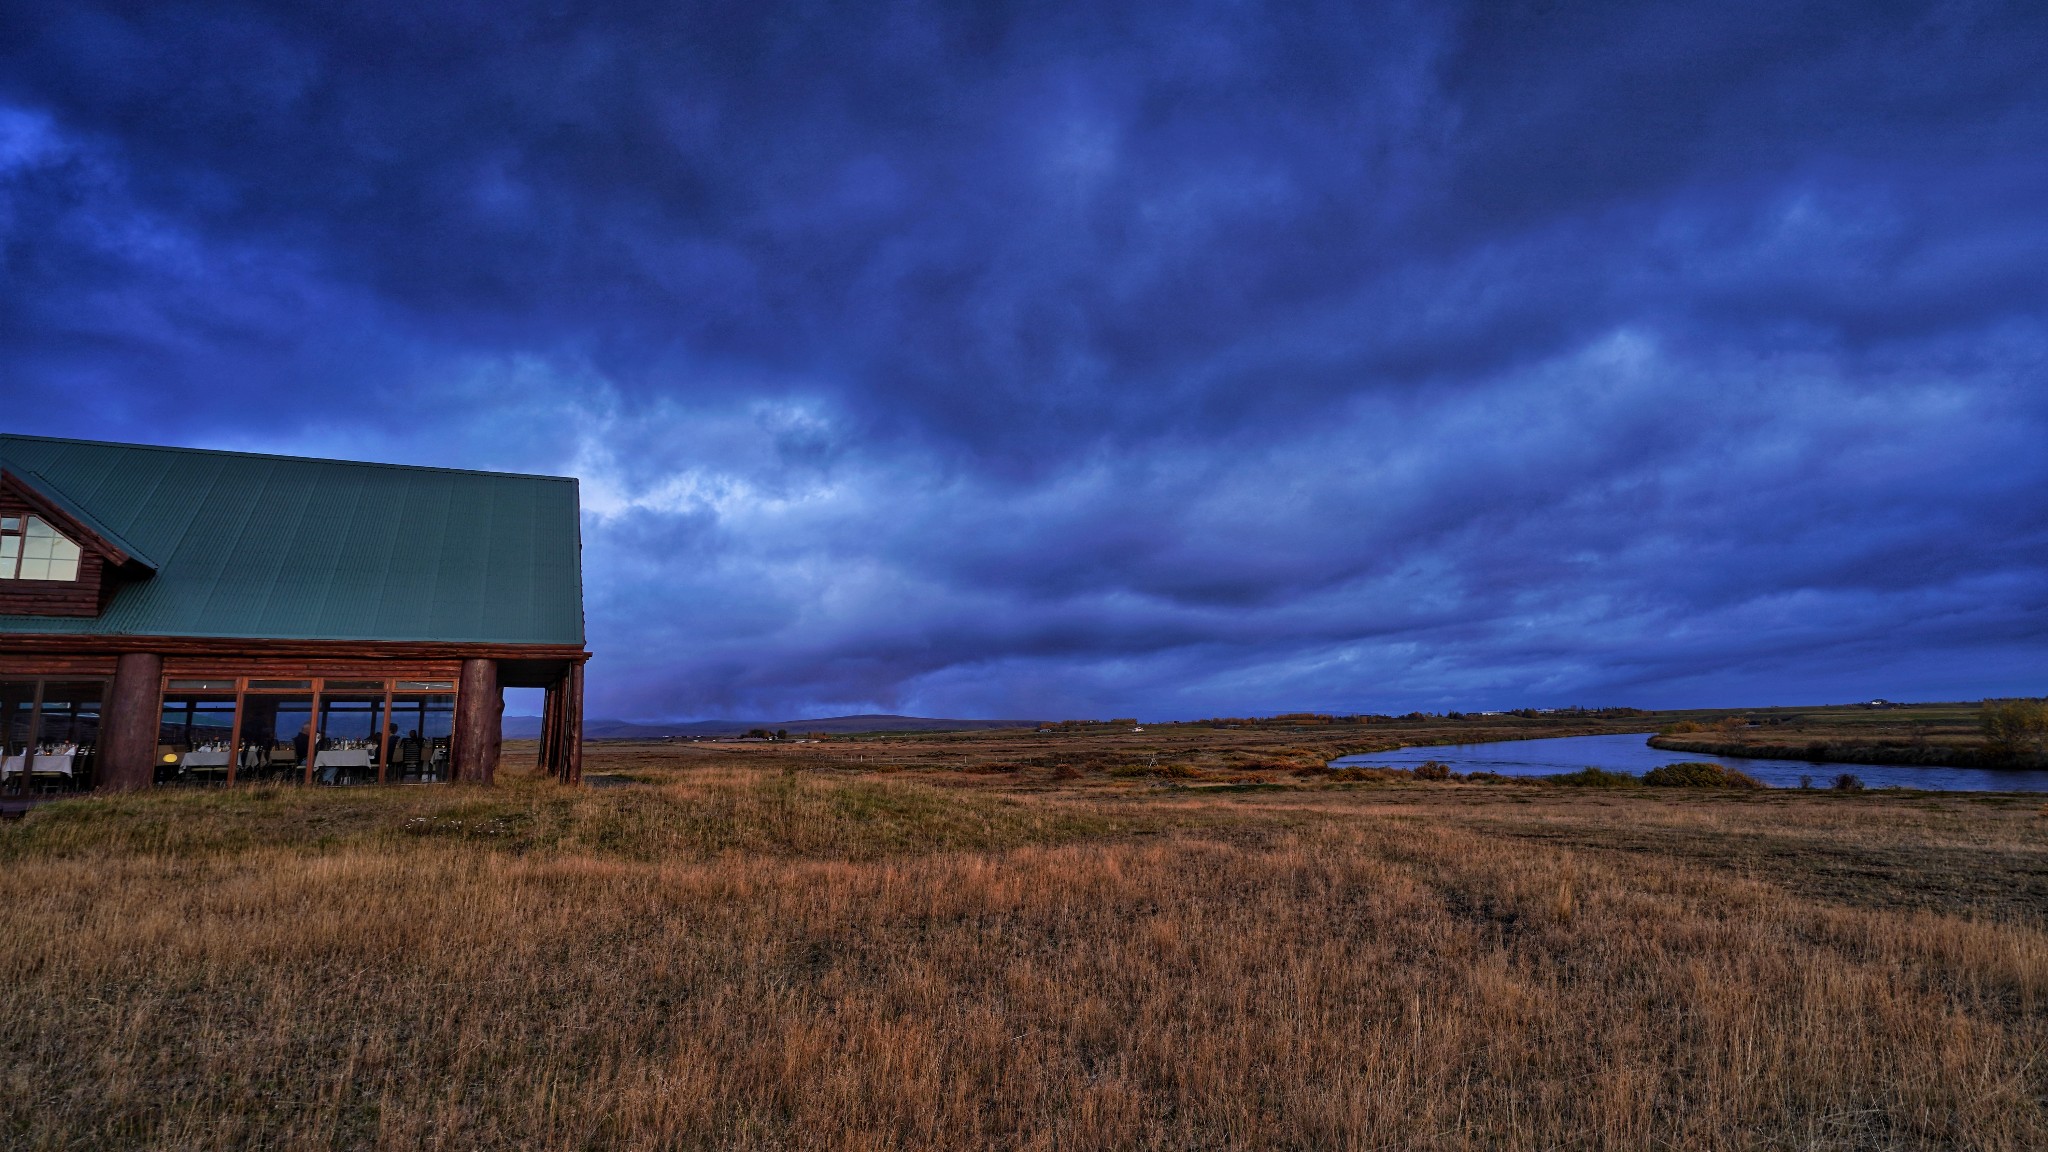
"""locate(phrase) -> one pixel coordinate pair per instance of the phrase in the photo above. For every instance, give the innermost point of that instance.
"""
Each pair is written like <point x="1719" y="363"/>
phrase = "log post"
<point x="572" y="725"/>
<point x="128" y="724"/>
<point x="479" y="722"/>
<point x="544" y="758"/>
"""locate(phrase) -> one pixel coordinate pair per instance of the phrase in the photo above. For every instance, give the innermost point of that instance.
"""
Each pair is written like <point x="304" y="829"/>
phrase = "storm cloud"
<point x="1144" y="359"/>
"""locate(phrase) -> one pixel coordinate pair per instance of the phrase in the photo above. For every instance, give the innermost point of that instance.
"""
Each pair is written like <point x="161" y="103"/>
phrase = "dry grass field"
<point x="1096" y="940"/>
<point x="1935" y="734"/>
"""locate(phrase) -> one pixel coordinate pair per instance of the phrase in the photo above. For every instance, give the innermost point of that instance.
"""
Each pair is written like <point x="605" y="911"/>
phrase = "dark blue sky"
<point x="1167" y="360"/>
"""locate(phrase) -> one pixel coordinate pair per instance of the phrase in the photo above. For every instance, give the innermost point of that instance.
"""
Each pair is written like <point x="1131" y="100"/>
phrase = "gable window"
<point x="32" y="550"/>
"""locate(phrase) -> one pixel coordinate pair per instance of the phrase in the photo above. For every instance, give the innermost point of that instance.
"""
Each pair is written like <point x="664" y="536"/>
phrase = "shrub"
<point x="1355" y="775"/>
<point x="2015" y="729"/>
<point x="1432" y="770"/>
<point x="1595" y="778"/>
<point x="1683" y="727"/>
<point x="1848" y="782"/>
<point x="1699" y="774"/>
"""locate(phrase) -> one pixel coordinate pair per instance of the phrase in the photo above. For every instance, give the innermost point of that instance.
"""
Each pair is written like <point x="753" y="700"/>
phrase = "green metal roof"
<point x="289" y="548"/>
<point x="51" y="494"/>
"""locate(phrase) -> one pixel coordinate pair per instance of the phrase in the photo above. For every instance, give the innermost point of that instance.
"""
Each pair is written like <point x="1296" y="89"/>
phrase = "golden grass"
<point x="738" y="955"/>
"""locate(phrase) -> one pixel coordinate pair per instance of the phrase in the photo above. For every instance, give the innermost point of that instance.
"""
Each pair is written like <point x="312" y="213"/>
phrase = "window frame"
<point x="19" y="535"/>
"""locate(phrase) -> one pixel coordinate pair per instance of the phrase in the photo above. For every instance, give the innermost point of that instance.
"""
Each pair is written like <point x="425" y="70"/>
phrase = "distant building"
<point x="171" y="616"/>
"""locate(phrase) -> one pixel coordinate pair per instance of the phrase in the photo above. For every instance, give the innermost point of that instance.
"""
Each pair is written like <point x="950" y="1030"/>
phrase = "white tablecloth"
<point x="216" y="758"/>
<point x="333" y="760"/>
<point x="57" y="762"/>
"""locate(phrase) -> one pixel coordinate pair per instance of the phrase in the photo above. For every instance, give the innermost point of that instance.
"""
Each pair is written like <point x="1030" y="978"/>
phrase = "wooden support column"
<point x="128" y="723"/>
<point x="572" y="725"/>
<point x="561" y="727"/>
<point x="550" y="760"/>
<point x="479" y="722"/>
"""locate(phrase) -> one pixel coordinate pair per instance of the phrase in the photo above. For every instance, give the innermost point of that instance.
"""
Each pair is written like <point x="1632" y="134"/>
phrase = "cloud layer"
<point x="1068" y="360"/>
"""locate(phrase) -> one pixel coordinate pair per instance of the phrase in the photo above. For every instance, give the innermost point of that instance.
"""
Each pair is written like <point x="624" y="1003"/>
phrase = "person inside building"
<point x="411" y="750"/>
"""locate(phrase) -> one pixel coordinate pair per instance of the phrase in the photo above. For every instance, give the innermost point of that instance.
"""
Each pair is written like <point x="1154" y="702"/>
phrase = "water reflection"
<point x="1631" y="753"/>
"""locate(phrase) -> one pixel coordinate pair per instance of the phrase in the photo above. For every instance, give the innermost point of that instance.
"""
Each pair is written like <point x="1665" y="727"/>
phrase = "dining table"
<point x="54" y="763"/>
<point x="328" y="762"/>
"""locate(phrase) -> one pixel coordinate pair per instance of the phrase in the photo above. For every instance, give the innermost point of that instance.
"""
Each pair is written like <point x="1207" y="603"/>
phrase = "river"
<point x="1630" y="752"/>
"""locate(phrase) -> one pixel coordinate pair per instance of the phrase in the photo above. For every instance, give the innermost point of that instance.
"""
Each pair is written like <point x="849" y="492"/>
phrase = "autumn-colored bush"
<point x="1358" y="774"/>
<point x="1594" y="778"/>
<point x="2015" y="730"/>
<point x="1432" y="770"/>
<point x="1699" y="774"/>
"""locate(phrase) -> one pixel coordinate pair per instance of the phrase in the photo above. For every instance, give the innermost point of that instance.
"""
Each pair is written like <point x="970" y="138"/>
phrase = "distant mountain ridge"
<point x="528" y="727"/>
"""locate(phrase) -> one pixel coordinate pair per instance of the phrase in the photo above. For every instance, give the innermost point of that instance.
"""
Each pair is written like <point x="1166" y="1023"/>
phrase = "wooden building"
<point x="175" y="617"/>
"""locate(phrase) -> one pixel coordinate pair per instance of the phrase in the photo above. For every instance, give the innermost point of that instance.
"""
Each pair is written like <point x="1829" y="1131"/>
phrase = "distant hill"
<point x="528" y="727"/>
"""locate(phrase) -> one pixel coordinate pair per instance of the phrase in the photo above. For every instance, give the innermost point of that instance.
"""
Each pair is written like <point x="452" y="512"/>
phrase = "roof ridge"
<point x="5" y="436"/>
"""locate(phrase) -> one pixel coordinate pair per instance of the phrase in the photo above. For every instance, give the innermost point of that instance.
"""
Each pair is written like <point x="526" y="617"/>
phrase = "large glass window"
<point x="194" y="731"/>
<point x="17" y="716"/>
<point x="214" y="731"/>
<point x="67" y="736"/>
<point x="277" y="733"/>
<point x="32" y="550"/>
<point x="421" y="731"/>
<point x="50" y="751"/>
<point x="351" y="738"/>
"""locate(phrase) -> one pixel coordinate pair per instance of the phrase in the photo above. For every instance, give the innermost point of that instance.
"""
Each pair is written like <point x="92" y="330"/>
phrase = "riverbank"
<point x="1939" y="735"/>
<point x="1834" y="752"/>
